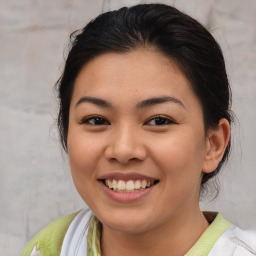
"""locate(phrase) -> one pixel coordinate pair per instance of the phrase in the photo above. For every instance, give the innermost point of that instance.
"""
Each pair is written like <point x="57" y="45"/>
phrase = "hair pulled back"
<point x="175" y="34"/>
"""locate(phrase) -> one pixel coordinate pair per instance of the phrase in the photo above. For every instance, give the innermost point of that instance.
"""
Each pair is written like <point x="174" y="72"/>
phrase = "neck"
<point x="174" y="237"/>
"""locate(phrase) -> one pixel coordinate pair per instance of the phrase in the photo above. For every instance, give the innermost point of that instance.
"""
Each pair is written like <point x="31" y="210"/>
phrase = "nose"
<point x="125" y="145"/>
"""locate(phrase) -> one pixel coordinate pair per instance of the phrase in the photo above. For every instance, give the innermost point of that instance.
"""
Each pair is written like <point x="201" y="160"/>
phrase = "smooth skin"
<point x="111" y="130"/>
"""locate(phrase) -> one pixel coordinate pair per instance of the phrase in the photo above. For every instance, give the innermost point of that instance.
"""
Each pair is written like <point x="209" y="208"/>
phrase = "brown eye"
<point x="159" y="120"/>
<point x="95" y="120"/>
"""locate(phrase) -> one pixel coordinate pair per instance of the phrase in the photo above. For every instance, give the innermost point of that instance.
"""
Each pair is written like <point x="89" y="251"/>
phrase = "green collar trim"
<point x="93" y="238"/>
<point x="207" y="240"/>
<point x="202" y="247"/>
<point x="49" y="241"/>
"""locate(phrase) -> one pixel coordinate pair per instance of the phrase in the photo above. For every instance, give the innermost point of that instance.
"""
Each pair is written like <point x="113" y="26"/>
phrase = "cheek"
<point x="180" y="155"/>
<point x="82" y="156"/>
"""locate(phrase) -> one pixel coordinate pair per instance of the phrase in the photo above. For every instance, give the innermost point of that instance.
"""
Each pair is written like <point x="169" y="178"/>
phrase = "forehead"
<point x="138" y="73"/>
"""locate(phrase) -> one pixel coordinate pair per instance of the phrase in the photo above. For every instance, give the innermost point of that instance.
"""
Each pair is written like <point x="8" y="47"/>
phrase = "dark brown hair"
<point x="170" y="31"/>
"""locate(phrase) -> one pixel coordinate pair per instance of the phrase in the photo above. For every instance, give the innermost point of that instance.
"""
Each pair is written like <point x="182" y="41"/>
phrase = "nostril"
<point x="125" y="152"/>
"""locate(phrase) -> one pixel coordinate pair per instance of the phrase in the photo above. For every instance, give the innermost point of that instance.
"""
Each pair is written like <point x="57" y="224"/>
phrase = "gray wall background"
<point x="35" y="183"/>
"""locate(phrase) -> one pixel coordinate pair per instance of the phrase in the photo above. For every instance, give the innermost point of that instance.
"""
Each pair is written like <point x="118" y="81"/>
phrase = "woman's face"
<point x="136" y="140"/>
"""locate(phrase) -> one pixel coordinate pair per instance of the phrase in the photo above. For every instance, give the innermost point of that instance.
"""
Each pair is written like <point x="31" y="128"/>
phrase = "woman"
<point x="145" y="119"/>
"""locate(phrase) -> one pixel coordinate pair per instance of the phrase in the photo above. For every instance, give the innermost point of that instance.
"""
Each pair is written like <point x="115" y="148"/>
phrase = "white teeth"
<point x="129" y="186"/>
<point x="137" y="184"/>
<point x="144" y="184"/>
<point x="121" y="185"/>
<point x="114" y="184"/>
<point x="109" y="183"/>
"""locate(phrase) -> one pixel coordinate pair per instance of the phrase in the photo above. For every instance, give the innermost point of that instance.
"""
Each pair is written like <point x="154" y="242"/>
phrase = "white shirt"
<point x="233" y="242"/>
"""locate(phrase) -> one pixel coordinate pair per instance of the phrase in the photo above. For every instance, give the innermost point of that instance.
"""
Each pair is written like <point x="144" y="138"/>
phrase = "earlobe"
<point x="217" y="141"/>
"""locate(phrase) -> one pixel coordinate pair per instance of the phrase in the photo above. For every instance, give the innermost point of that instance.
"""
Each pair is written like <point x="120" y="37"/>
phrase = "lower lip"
<point x="126" y="197"/>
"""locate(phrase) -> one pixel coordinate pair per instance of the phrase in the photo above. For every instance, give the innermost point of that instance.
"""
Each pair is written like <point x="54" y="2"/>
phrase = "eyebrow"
<point x="158" y="100"/>
<point x="95" y="101"/>
<point x="143" y="104"/>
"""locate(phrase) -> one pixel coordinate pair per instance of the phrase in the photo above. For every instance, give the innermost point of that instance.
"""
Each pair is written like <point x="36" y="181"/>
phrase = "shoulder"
<point x="75" y="241"/>
<point x="243" y="238"/>
<point x="48" y="242"/>
<point x="235" y="241"/>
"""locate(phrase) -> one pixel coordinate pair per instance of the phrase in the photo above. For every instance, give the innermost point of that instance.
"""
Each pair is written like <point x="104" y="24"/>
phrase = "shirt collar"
<point x="93" y="239"/>
<point x="202" y="247"/>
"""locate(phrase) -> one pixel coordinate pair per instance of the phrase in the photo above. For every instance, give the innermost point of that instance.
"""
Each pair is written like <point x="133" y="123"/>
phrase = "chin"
<point x="128" y="222"/>
<point x="125" y="227"/>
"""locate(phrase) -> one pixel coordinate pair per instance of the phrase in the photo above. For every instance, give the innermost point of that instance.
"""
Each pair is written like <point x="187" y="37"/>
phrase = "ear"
<point x="216" y="143"/>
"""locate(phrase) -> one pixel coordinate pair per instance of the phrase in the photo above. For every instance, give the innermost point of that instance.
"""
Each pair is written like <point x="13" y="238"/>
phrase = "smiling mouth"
<point x="129" y="186"/>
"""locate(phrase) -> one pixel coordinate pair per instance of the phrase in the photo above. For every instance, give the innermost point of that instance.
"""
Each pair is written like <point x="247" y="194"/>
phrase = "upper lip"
<point x="126" y="176"/>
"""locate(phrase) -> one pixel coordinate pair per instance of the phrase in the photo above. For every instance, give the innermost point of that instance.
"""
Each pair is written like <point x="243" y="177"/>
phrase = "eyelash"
<point x="167" y="120"/>
<point x="96" y="119"/>
<point x="163" y="121"/>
